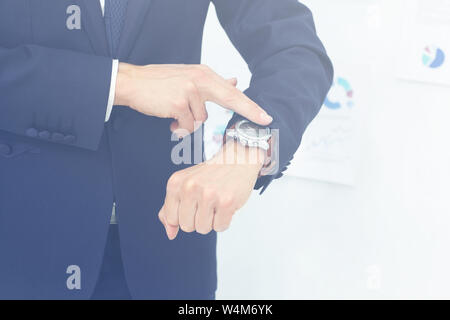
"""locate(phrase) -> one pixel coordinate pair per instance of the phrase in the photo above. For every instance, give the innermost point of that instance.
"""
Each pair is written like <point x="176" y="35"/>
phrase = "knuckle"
<point x="173" y="182"/>
<point x="189" y="186"/>
<point x="191" y="87"/>
<point x="179" y="105"/>
<point x="234" y="94"/>
<point x="209" y="194"/>
<point x="229" y="97"/>
<point x="226" y="201"/>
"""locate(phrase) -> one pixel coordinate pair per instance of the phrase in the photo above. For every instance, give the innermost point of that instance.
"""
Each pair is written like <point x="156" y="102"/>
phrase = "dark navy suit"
<point x="62" y="166"/>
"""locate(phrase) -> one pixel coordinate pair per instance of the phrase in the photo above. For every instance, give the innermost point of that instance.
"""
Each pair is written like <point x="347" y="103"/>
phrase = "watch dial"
<point x="253" y="130"/>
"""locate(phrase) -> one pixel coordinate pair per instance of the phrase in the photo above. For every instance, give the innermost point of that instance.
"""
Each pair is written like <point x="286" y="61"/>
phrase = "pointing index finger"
<point x="238" y="102"/>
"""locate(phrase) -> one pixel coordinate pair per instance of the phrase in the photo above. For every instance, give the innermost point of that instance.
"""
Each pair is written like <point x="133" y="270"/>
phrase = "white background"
<point x="387" y="236"/>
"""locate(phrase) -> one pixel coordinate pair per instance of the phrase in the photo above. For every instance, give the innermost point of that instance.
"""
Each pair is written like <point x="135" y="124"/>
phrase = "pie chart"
<point x="340" y="94"/>
<point x="433" y="57"/>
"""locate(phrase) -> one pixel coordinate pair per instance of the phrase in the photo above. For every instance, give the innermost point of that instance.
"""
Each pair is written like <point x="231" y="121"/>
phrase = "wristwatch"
<point x="251" y="135"/>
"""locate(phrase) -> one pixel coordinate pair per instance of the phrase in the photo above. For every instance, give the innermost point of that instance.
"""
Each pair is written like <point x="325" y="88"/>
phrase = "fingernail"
<point x="266" y="118"/>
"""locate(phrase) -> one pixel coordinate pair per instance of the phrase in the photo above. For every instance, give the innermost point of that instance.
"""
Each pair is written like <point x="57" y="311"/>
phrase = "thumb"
<point x="172" y="231"/>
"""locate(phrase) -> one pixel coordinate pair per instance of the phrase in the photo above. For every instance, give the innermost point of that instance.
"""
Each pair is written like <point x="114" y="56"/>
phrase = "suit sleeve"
<point x="55" y="95"/>
<point x="291" y="72"/>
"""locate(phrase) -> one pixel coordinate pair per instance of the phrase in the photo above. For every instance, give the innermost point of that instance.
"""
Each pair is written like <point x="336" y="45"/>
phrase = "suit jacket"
<point x="61" y="166"/>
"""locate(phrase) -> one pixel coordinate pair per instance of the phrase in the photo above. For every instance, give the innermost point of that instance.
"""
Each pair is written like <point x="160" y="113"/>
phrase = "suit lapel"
<point x="136" y="14"/>
<point x="94" y="26"/>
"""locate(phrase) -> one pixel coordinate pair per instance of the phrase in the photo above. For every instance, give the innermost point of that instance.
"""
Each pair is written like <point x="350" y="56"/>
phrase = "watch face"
<point x="253" y="131"/>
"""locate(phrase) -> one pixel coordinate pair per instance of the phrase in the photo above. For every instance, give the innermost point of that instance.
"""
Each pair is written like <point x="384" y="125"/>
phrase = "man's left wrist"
<point x="234" y="152"/>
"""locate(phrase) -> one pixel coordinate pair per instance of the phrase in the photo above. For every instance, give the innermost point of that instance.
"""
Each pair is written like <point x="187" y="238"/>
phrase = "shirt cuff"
<point x="112" y="89"/>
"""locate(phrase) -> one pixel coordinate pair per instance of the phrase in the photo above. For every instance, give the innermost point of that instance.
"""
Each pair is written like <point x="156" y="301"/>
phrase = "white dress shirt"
<point x="112" y="87"/>
<point x="102" y="4"/>
<point x="112" y="91"/>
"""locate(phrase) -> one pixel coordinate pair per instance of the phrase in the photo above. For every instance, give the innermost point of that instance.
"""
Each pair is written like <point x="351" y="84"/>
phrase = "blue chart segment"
<point x="433" y="57"/>
<point x="340" y="84"/>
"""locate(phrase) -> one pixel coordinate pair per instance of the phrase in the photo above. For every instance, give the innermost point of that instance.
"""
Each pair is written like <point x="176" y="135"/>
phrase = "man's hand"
<point x="180" y="92"/>
<point x="206" y="196"/>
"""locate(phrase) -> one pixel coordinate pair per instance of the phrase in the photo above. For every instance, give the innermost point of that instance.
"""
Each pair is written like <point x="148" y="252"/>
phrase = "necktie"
<point x="115" y="13"/>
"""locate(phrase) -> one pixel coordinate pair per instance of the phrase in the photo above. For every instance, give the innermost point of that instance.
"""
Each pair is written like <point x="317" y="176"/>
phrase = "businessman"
<point x="91" y="92"/>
